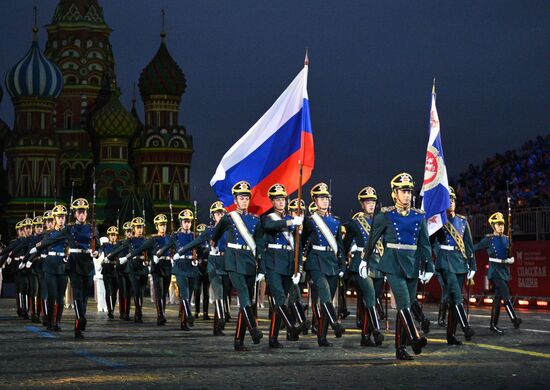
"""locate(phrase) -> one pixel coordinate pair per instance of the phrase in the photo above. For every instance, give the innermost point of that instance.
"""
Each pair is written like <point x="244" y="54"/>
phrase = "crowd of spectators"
<point x="482" y="188"/>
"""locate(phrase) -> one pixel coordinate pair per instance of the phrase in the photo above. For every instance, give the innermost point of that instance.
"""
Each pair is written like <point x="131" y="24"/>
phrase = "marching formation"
<point x="388" y="249"/>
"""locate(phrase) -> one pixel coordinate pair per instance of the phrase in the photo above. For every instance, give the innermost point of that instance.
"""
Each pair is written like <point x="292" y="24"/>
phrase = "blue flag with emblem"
<point x="435" y="189"/>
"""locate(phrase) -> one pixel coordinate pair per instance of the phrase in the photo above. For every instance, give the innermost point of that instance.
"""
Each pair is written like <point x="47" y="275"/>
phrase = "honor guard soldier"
<point x="108" y="271"/>
<point x="325" y="259"/>
<point x="283" y="274"/>
<point x="14" y="253"/>
<point x="216" y="265"/>
<point x="497" y="246"/>
<point x="55" y="243"/>
<point x="161" y="268"/>
<point x="23" y="273"/>
<point x="362" y="274"/>
<point x="406" y="255"/>
<point x="123" y="270"/>
<point x="184" y="267"/>
<point x="295" y="296"/>
<point x="36" y="277"/>
<point x="49" y="225"/>
<point x="138" y="266"/>
<point x="80" y="263"/>
<point x="243" y="253"/>
<point x="201" y="282"/>
<point x="455" y="262"/>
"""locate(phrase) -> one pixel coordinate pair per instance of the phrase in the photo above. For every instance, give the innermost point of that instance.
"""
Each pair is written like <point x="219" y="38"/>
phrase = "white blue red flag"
<point x="271" y="151"/>
<point x="435" y="189"/>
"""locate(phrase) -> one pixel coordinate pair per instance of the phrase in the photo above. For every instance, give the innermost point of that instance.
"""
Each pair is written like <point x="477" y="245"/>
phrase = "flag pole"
<point x="299" y="204"/>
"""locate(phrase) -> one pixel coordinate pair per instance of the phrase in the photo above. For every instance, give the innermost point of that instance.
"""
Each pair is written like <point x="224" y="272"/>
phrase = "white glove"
<point x="341" y="274"/>
<point x="104" y="261"/>
<point x="425" y="277"/>
<point x="363" y="269"/>
<point x="8" y="261"/>
<point x="28" y="264"/>
<point x="296" y="278"/>
<point x="21" y="265"/>
<point x="95" y="254"/>
<point x="173" y="262"/>
<point x="510" y="260"/>
<point x="260" y="277"/>
<point x="194" y="263"/>
<point x="122" y="260"/>
<point x="297" y="220"/>
<point x="176" y="256"/>
<point x="33" y="250"/>
<point x="471" y="274"/>
<point x="156" y="259"/>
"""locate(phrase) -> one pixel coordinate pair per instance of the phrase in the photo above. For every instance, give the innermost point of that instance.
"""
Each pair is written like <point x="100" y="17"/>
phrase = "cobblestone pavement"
<point x="128" y="355"/>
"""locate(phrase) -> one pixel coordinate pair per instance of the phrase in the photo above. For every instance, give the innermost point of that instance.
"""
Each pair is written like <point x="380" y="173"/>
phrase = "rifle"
<point x="509" y="234"/>
<point x="94" y="237"/>
<point x="72" y="198"/>
<point x="386" y="303"/>
<point x="194" y="229"/>
<point x="146" y="253"/>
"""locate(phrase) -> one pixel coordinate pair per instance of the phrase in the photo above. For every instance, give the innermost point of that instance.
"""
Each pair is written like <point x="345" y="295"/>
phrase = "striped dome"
<point x="34" y="75"/>
<point x="113" y="120"/>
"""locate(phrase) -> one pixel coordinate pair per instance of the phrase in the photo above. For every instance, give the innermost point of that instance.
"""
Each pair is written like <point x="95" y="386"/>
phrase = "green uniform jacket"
<point x="453" y="260"/>
<point x="325" y="261"/>
<point x="395" y="229"/>
<point x="497" y="247"/>
<point x="280" y="261"/>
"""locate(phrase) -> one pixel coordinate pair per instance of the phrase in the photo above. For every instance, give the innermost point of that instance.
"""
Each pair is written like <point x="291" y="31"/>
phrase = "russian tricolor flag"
<point x="272" y="150"/>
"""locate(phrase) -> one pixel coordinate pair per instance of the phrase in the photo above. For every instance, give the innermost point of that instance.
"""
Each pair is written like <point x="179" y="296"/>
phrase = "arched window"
<point x="68" y="119"/>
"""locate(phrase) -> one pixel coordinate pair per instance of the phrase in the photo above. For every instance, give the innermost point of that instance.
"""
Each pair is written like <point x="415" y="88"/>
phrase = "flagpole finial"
<point x="433" y="87"/>
<point x="306" y="59"/>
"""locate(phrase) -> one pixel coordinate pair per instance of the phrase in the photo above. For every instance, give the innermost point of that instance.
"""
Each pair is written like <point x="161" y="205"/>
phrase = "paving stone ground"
<point x="118" y="354"/>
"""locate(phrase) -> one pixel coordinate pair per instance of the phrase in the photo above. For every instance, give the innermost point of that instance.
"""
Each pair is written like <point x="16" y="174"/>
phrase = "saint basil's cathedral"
<point x="70" y="126"/>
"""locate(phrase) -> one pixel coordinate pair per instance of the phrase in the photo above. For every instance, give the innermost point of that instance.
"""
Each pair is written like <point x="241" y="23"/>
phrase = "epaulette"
<point x="489" y="235"/>
<point x="387" y="209"/>
<point x="461" y="216"/>
<point x="419" y="211"/>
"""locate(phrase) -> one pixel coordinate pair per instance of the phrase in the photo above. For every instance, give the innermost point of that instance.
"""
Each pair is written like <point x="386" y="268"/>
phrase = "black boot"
<point x="417" y="342"/>
<point x="160" y="315"/>
<point x="400" y="341"/>
<point x="227" y="308"/>
<point x="360" y="311"/>
<point x="463" y="321"/>
<point x="50" y="314"/>
<point x="300" y="315"/>
<point x="293" y="332"/>
<point x="380" y="309"/>
<point x="322" y="329"/>
<point x="255" y="333"/>
<point x="442" y="314"/>
<point x="220" y="312"/>
<point x="375" y="326"/>
<point x="330" y="312"/>
<point x="187" y="308"/>
<point x="451" y="328"/>
<point x="495" y="313"/>
<point x="240" y="330"/>
<point x="184" y="317"/>
<point x="511" y="312"/>
<point x="218" y="331"/>
<point x="127" y="309"/>
<point x="416" y="310"/>
<point x="315" y="316"/>
<point x="366" y="330"/>
<point x="58" y="316"/>
<point x="276" y="321"/>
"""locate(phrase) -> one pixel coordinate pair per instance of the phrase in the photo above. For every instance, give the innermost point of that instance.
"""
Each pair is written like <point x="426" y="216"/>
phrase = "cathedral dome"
<point x="113" y="120"/>
<point x="162" y="76"/>
<point x="34" y="75"/>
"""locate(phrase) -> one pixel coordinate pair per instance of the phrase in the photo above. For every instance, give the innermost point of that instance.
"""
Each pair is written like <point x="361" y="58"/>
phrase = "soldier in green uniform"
<point x="455" y="262"/>
<point x="361" y="273"/>
<point x="36" y="271"/>
<point x="497" y="246"/>
<point x="55" y="243"/>
<point x="405" y="237"/>
<point x="202" y="282"/>
<point x="243" y="234"/>
<point x="108" y="270"/>
<point x="325" y="259"/>
<point x="282" y="271"/>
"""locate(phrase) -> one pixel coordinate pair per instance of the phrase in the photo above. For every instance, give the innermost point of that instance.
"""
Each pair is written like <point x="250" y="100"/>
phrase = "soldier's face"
<point x="81" y="215"/>
<point x="28" y="231"/>
<point x="217" y="216"/>
<point x="186" y="224"/>
<point x="322" y="202"/>
<point x="38" y="229"/>
<point x="49" y="224"/>
<point x="128" y="233"/>
<point x="161" y="228"/>
<point x="60" y="220"/>
<point x="452" y="207"/>
<point x="242" y="201"/>
<point x="112" y="237"/>
<point x="138" y="231"/>
<point x="499" y="228"/>
<point x="404" y="197"/>
<point x="279" y="204"/>
<point x="368" y="206"/>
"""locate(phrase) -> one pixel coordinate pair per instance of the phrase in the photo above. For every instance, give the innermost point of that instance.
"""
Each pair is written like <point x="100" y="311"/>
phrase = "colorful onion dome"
<point x="113" y="120"/>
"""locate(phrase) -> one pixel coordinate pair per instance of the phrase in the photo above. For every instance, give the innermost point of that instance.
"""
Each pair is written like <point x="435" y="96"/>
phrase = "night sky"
<point x="370" y="76"/>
